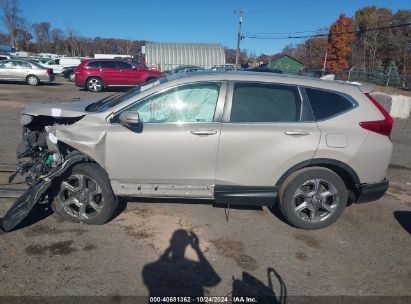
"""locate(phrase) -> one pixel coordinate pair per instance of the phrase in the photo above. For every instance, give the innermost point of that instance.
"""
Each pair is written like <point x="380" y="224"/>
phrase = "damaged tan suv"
<point x="306" y="146"/>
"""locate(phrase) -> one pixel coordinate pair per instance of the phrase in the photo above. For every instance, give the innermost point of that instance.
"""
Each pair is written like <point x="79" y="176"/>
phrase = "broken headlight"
<point x="26" y="119"/>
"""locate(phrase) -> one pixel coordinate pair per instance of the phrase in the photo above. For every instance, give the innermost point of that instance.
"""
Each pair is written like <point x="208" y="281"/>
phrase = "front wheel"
<point x="85" y="195"/>
<point x="94" y="84"/>
<point x="312" y="198"/>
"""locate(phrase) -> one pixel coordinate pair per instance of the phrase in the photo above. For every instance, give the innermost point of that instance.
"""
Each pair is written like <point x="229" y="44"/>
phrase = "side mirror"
<point x="129" y="119"/>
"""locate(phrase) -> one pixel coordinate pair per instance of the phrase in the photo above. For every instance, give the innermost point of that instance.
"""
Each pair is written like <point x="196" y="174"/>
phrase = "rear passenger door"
<point x="267" y="128"/>
<point x="109" y="73"/>
<point x="125" y="73"/>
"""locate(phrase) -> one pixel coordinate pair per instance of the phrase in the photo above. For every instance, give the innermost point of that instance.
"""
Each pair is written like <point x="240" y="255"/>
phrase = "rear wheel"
<point x="72" y="76"/>
<point x="85" y="195"/>
<point x="94" y="84"/>
<point x="32" y="80"/>
<point x="312" y="198"/>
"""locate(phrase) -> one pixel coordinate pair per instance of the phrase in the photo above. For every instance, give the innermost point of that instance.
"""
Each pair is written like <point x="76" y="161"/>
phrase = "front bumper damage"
<point x="21" y="208"/>
<point x="41" y="160"/>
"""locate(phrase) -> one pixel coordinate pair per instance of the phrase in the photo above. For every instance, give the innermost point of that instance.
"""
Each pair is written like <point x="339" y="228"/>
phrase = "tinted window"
<point x="187" y="103"/>
<point x="107" y="65"/>
<point x="121" y="65"/>
<point x="6" y="64"/>
<point x="326" y="104"/>
<point x="255" y="102"/>
<point x="93" y="65"/>
<point x="23" y="64"/>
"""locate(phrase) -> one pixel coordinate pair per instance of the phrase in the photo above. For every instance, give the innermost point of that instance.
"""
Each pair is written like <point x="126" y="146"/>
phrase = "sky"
<point x="207" y="21"/>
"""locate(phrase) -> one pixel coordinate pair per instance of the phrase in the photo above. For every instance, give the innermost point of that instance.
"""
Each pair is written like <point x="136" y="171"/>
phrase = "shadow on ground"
<point x="404" y="218"/>
<point x="175" y="275"/>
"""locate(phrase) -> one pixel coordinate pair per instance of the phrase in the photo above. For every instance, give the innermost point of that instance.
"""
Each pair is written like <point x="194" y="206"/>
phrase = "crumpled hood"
<point x="66" y="109"/>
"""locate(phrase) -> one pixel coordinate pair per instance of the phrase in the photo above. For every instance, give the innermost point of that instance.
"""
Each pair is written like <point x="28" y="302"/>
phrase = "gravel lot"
<point x="152" y="243"/>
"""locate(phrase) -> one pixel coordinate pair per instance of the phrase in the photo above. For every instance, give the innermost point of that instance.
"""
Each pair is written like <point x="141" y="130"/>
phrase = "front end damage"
<point x="41" y="159"/>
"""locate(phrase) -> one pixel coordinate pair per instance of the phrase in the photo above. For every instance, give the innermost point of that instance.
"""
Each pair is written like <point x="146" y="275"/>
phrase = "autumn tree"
<point x="339" y="38"/>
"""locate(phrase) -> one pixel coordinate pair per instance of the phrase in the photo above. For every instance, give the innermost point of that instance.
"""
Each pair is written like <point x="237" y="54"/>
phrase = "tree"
<point x="42" y="34"/>
<point x="377" y="75"/>
<point x="358" y="73"/>
<point x="339" y="40"/>
<point x="10" y="18"/>
<point x="392" y="74"/>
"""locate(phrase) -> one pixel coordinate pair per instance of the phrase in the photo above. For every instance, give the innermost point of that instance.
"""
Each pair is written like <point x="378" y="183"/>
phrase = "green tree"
<point x="358" y="73"/>
<point x="393" y="75"/>
<point x="377" y="75"/>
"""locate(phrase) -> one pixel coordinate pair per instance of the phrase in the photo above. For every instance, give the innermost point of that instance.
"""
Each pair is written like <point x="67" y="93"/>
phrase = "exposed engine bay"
<point x="41" y="161"/>
<point x="36" y="156"/>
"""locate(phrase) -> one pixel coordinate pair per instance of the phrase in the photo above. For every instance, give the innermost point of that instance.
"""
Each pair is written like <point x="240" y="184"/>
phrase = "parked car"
<point x="69" y="73"/>
<point x="20" y="70"/>
<point x="221" y="68"/>
<point x="184" y="69"/>
<point x="58" y="64"/>
<point x="96" y="74"/>
<point x="263" y="69"/>
<point x="4" y="57"/>
<point x="306" y="146"/>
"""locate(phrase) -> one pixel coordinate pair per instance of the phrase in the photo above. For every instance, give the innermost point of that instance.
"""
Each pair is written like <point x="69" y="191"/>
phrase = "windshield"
<point x="115" y="99"/>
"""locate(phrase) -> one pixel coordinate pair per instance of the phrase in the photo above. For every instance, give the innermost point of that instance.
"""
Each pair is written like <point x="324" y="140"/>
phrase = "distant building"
<point x="285" y="63"/>
<point x="167" y="56"/>
<point x="6" y="49"/>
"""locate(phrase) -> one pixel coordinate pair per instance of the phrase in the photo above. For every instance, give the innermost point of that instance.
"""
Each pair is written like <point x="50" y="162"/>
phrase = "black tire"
<point x="327" y="209"/>
<point x="149" y="79"/>
<point x="94" y="84"/>
<point x="98" y="210"/>
<point x="32" y="80"/>
<point x="71" y="76"/>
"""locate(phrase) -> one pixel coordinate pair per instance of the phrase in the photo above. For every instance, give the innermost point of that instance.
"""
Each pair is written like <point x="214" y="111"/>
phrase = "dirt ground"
<point x="152" y="244"/>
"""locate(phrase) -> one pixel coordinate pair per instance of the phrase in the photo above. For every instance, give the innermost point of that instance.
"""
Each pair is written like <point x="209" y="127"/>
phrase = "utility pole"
<point x="240" y="21"/>
<point x="325" y="63"/>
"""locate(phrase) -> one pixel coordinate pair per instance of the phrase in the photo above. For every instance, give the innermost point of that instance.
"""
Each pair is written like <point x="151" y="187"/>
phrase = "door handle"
<point x="204" y="132"/>
<point x="297" y="132"/>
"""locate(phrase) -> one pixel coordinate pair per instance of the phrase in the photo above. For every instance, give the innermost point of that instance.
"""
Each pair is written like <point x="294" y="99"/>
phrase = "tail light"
<point x="50" y="71"/>
<point x="382" y="127"/>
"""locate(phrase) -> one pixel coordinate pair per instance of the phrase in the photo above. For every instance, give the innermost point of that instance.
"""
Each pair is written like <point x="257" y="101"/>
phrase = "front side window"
<point x="187" y="103"/>
<point x="260" y="102"/>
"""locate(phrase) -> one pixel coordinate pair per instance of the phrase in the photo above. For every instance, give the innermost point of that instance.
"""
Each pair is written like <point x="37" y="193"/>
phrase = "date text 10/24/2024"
<point x="203" y="299"/>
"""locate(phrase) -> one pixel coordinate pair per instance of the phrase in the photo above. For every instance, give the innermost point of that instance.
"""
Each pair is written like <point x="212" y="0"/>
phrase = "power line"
<point x="255" y="36"/>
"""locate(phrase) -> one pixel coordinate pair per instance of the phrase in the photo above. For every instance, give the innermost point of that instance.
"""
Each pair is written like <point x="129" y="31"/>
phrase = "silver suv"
<point x="306" y="146"/>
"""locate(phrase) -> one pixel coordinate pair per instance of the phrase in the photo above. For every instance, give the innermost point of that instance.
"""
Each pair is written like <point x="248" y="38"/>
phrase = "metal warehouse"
<point x="170" y="55"/>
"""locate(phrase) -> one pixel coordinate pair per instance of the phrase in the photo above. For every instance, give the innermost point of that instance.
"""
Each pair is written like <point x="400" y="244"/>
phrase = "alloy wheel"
<point x="81" y="197"/>
<point x="95" y="85"/>
<point x="315" y="200"/>
<point x="32" y="80"/>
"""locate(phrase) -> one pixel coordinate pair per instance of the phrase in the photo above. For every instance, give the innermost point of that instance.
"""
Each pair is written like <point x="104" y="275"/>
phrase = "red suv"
<point x="96" y="74"/>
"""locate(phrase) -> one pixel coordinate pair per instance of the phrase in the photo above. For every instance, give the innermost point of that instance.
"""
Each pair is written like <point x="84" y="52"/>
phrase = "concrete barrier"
<point x="399" y="106"/>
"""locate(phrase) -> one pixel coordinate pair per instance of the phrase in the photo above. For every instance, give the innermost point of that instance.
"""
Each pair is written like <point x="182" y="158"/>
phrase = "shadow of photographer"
<point x="174" y="275"/>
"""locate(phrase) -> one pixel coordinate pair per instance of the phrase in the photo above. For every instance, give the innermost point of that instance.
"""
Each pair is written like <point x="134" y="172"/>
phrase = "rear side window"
<point x="256" y="102"/>
<point x="121" y="65"/>
<point x="107" y="65"/>
<point x="93" y="65"/>
<point x="326" y="104"/>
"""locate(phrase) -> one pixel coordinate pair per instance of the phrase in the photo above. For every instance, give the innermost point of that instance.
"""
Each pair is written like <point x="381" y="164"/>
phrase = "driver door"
<point x="173" y="152"/>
